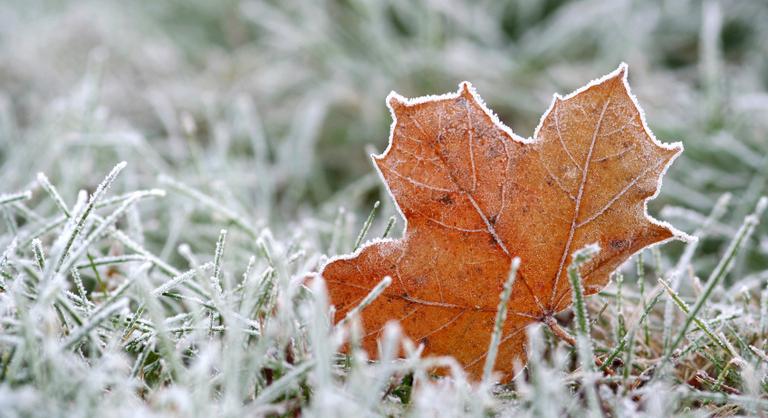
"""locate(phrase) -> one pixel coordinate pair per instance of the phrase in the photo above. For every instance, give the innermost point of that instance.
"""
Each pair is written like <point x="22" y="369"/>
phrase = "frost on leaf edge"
<point x="394" y="100"/>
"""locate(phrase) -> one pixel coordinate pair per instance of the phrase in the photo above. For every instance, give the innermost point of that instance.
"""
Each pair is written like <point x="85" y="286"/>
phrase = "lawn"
<point x="171" y="171"/>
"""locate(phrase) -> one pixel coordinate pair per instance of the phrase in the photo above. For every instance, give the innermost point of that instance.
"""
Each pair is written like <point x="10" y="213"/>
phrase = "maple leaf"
<point x="475" y="195"/>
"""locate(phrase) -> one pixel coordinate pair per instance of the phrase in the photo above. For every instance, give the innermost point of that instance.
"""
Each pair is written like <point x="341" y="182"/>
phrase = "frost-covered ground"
<point x="256" y="118"/>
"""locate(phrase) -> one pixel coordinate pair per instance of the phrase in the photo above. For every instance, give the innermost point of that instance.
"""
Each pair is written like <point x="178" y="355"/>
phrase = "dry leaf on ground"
<point x="475" y="195"/>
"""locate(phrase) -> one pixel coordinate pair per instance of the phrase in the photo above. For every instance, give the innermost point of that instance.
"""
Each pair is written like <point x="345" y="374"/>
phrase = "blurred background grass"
<point x="272" y="107"/>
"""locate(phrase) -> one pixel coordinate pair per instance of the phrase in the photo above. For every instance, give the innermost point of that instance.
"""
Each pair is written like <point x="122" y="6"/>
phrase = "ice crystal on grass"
<point x="253" y="117"/>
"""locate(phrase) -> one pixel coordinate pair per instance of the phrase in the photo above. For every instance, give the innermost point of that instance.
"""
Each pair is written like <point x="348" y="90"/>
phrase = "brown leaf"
<point x="474" y="195"/>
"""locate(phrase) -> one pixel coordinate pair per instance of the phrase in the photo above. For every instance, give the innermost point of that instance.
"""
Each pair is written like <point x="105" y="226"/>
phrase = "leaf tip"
<point x="621" y="71"/>
<point x="677" y="147"/>
<point x="667" y="232"/>
<point x="466" y="89"/>
<point x="669" y="151"/>
<point x="395" y="101"/>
